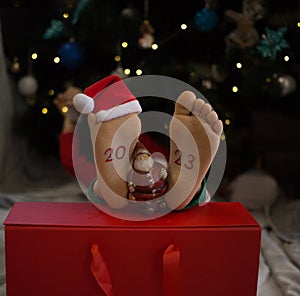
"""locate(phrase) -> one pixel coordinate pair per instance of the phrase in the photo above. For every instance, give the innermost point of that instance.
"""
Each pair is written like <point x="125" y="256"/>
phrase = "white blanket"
<point x="279" y="270"/>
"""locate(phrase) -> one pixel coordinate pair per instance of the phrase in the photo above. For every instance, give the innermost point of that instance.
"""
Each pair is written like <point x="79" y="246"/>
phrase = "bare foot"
<point x="195" y="131"/>
<point x="113" y="143"/>
<point x="114" y="128"/>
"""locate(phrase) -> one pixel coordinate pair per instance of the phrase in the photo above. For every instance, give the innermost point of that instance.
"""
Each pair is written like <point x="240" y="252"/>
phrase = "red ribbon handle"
<point x="171" y="274"/>
<point x="100" y="271"/>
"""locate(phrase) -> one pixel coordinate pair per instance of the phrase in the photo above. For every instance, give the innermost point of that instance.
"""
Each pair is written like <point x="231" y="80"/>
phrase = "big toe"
<point x="184" y="103"/>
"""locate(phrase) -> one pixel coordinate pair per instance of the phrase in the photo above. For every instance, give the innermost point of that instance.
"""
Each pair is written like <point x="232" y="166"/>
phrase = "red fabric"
<point x="66" y="159"/>
<point x="153" y="146"/>
<point x="171" y="259"/>
<point x="100" y="271"/>
<point x="108" y="93"/>
<point x="65" y="152"/>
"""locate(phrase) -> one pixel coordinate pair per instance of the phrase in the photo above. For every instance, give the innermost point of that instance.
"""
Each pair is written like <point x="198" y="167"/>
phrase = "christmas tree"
<point x="241" y="55"/>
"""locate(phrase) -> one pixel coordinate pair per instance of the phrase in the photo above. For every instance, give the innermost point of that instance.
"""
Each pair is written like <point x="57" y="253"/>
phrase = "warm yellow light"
<point x="15" y="66"/>
<point x="51" y="92"/>
<point x="127" y="71"/>
<point x="154" y="46"/>
<point x="183" y="26"/>
<point x="65" y="15"/>
<point x="34" y="56"/>
<point x="235" y="89"/>
<point x="124" y="44"/>
<point x="117" y="58"/>
<point x="227" y="121"/>
<point x="64" y="109"/>
<point x="286" y="58"/>
<point x="139" y="72"/>
<point x="239" y="65"/>
<point x="222" y="137"/>
<point x="44" y="110"/>
<point x="298" y="24"/>
<point x="268" y="79"/>
<point x="56" y="60"/>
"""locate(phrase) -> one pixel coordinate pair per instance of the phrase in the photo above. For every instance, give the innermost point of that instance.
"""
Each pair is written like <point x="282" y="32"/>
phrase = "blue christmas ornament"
<point x="206" y="19"/>
<point x="272" y="42"/>
<point x="71" y="54"/>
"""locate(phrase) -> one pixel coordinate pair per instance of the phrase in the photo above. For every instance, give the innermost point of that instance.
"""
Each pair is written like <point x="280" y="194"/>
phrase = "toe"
<point x="205" y="109"/>
<point x="211" y="117"/>
<point x="218" y="127"/>
<point x="198" y="105"/>
<point x="184" y="103"/>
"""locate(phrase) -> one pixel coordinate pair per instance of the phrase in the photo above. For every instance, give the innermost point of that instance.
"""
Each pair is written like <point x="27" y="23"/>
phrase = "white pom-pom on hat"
<point x="108" y="98"/>
<point x="83" y="103"/>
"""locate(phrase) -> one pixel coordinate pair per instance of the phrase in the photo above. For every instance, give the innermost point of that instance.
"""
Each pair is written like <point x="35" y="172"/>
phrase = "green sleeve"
<point x="197" y="199"/>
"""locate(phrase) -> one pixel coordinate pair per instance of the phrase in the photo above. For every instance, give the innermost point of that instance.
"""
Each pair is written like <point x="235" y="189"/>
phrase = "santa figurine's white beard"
<point x="143" y="163"/>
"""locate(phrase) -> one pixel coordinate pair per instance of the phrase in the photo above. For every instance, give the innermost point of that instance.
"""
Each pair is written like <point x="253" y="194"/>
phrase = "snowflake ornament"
<point x="272" y="42"/>
<point x="55" y="30"/>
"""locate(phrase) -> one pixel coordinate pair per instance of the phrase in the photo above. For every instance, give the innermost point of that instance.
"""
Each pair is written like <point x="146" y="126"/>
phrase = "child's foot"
<point x="195" y="136"/>
<point x="114" y="127"/>
<point x="113" y="143"/>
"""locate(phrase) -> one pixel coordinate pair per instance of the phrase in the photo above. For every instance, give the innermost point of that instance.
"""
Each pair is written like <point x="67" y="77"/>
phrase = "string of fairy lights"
<point x="28" y="85"/>
<point x="272" y="42"/>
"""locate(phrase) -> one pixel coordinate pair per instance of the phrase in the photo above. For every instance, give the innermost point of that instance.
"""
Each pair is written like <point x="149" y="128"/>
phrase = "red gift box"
<point x="76" y="249"/>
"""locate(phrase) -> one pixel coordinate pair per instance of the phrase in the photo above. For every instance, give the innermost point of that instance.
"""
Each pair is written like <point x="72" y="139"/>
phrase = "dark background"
<point x="263" y="118"/>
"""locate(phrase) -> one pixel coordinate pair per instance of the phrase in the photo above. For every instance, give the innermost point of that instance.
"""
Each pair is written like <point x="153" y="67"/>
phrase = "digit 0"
<point x="120" y="152"/>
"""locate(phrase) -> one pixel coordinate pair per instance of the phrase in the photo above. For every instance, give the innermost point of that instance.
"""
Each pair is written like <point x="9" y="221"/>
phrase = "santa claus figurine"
<point x="147" y="177"/>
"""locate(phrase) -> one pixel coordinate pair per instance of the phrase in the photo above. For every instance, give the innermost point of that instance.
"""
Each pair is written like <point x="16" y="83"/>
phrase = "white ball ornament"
<point x="28" y="85"/>
<point x="288" y="84"/>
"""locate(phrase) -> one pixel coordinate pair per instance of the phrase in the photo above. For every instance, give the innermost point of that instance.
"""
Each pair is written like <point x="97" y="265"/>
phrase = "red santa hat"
<point x="108" y="98"/>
